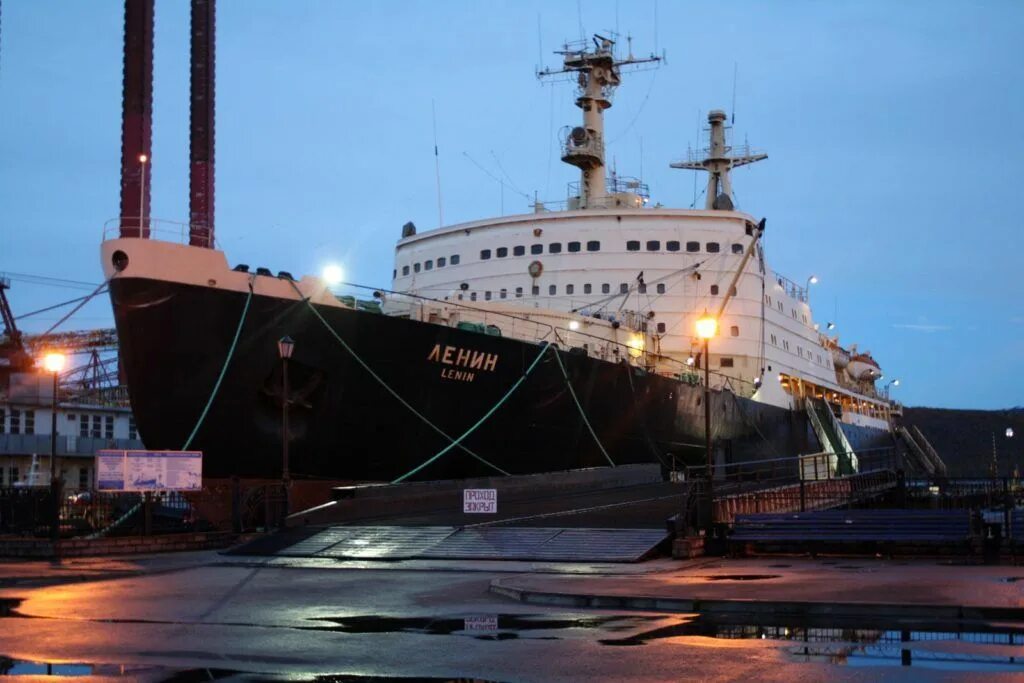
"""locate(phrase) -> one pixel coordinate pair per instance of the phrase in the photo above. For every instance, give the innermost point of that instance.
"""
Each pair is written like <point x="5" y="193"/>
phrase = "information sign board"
<point x="478" y="501"/>
<point x="149" y="470"/>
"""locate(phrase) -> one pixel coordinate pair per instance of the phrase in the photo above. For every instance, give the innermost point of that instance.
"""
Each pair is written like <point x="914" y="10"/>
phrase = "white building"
<point x="82" y="429"/>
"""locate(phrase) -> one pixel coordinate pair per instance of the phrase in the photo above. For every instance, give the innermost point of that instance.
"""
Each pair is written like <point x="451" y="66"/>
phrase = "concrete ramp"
<point x="483" y="543"/>
<point x="369" y="542"/>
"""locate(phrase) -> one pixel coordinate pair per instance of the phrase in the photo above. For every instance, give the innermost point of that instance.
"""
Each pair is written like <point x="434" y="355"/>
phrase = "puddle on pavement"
<point x="23" y="667"/>
<point x="27" y="667"/>
<point x="857" y="642"/>
<point x="740" y="577"/>
<point x="8" y="606"/>
<point x="484" y="626"/>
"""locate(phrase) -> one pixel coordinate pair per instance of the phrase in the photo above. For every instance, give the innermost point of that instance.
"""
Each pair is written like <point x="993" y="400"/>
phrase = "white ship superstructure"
<point x="612" y="267"/>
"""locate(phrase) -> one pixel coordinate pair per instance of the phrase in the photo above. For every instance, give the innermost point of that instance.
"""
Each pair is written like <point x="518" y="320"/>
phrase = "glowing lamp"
<point x="895" y="382"/>
<point x="813" y="279"/>
<point x="574" y="325"/>
<point x="636" y="345"/>
<point x="333" y="275"/>
<point x="53" y="362"/>
<point x="1009" y="432"/>
<point x="143" y="158"/>
<point x="285" y="347"/>
<point x="707" y="327"/>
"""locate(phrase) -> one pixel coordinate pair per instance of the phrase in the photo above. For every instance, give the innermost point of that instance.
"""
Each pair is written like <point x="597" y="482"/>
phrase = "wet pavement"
<point x="800" y="586"/>
<point x="202" y="616"/>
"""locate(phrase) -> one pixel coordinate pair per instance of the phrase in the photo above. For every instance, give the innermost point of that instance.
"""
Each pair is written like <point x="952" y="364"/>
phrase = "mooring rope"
<point x="82" y="302"/>
<point x="387" y="387"/>
<point x="583" y="415"/>
<point x="202" y="417"/>
<point x="483" y="419"/>
<point x="223" y="370"/>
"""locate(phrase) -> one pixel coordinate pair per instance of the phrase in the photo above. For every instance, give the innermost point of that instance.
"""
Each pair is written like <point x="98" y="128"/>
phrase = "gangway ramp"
<point x="610" y="515"/>
<point x="486" y="543"/>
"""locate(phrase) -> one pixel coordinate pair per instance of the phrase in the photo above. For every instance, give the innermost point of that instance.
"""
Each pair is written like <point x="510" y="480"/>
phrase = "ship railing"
<point x="590" y="146"/>
<point x="158" y="228"/>
<point x="699" y="154"/>
<point x="618" y="183"/>
<point x="613" y="185"/>
<point x="522" y="326"/>
<point x="791" y="288"/>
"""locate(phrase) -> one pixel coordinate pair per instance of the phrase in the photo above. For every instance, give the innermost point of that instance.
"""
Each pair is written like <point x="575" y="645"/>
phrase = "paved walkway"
<point x="854" y="585"/>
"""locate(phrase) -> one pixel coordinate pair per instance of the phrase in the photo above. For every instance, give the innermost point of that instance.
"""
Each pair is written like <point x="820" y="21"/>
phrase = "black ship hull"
<point x="175" y="340"/>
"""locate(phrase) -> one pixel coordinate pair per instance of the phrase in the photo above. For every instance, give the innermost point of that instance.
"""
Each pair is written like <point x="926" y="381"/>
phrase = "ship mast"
<point x="597" y="72"/>
<point x="718" y="161"/>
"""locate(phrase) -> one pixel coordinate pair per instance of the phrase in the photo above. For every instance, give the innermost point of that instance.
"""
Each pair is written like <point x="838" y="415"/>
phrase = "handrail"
<point x="162" y="228"/>
<point x="794" y="468"/>
<point x="819" y="431"/>
<point x="838" y="427"/>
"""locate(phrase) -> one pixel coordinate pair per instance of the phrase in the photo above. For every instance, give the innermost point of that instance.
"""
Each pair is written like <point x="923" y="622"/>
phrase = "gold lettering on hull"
<point x="458" y="375"/>
<point x="458" y="357"/>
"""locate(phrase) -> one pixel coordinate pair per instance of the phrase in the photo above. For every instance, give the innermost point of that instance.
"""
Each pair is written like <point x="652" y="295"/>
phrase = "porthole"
<point x="119" y="260"/>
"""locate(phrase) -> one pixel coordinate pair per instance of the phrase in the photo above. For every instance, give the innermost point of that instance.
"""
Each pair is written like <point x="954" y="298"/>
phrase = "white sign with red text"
<point x="480" y="501"/>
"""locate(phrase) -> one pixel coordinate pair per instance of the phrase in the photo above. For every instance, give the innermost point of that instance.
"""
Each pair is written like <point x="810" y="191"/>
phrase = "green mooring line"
<point x="572" y="392"/>
<point x="223" y="370"/>
<point x="388" y="388"/>
<point x="483" y="419"/>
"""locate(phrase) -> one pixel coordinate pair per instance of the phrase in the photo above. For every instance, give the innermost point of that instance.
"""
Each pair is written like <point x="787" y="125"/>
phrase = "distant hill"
<point x="963" y="438"/>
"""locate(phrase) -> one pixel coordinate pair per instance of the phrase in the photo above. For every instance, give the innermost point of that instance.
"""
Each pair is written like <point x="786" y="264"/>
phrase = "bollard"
<point x="236" y="504"/>
<point x="147" y="514"/>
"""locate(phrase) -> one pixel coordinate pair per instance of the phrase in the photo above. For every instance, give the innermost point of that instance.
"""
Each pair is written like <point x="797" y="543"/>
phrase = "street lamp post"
<point x="142" y="192"/>
<point x="812" y="280"/>
<point x="54" y="363"/>
<point x="285" y="347"/>
<point x="891" y="383"/>
<point x="707" y="327"/>
<point x="995" y="457"/>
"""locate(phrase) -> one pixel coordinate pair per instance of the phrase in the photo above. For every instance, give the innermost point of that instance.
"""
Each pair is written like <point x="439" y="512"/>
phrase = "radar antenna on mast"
<point x="598" y="74"/>
<point x="718" y="159"/>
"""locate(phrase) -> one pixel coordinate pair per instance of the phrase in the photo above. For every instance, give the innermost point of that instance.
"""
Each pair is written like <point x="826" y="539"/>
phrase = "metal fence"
<point x="787" y="485"/>
<point x="761" y="474"/>
<point x="221" y="506"/>
<point x="28" y="511"/>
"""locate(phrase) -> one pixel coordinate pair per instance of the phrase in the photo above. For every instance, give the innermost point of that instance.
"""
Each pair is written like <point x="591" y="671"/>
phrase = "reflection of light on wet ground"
<point x="861" y="643"/>
<point x="850" y="641"/>
<point x="21" y="667"/>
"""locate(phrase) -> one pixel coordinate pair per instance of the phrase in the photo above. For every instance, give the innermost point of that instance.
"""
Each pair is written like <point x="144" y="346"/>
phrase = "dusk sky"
<point x="895" y="134"/>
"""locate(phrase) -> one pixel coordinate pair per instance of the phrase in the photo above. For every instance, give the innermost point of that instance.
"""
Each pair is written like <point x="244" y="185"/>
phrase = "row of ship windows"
<point x="588" y="288"/>
<point x="429" y="264"/>
<point x="673" y="245"/>
<point x="810" y="355"/>
<point x="792" y="310"/>
<point x="572" y="248"/>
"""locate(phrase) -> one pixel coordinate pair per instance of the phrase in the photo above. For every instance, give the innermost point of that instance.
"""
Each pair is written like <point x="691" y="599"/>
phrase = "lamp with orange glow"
<point x="707" y="327"/>
<point x="53" y="362"/>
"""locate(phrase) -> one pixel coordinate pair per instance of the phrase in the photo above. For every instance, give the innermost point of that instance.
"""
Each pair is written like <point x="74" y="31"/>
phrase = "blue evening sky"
<point x="894" y="131"/>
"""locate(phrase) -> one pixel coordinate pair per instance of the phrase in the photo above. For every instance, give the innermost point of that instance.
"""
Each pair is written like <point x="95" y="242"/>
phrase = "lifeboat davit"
<point x="863" y="368"/>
